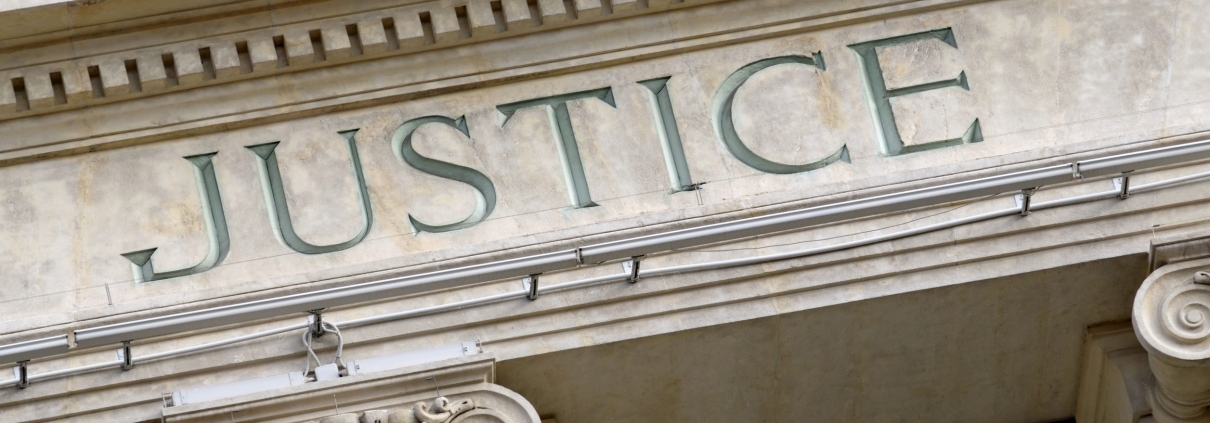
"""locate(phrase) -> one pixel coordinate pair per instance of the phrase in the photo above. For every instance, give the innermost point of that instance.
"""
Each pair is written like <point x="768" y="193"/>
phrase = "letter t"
<point x="565" y="138"/>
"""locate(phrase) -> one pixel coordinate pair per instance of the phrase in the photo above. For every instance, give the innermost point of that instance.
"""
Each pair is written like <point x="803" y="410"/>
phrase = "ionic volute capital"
<point x="1171" y="318"/>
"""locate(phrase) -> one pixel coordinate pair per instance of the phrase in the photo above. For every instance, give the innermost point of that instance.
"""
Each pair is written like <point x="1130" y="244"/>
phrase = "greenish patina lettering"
<point x="565" y="137"/>
<point x="485" y="191"/>
<point x="213" y="218"/>
<point x="670" y="136"/>
<point x="879" y="97"/>
<point x="556" y="107"/>
<point x="279" y="211"/>
<point x="724" y="123"/>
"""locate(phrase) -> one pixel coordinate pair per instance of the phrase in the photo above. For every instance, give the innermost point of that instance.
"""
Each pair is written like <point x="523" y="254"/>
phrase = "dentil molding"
<point x="186" y="79"/>
<point x="50" y="82"/>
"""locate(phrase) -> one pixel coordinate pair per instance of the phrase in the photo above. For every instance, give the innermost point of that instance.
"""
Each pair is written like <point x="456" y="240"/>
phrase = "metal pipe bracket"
<point x="631" y="268"/>
<point x="530" y="283"/>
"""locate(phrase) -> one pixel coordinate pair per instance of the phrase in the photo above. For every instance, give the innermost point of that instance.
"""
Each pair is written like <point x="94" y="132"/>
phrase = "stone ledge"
<point x="373" y="395"/>
<point x="1180" y="248"/>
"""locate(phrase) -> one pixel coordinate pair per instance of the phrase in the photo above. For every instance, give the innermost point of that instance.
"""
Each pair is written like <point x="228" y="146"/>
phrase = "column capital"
<point x="1171" y="317"/>
<point x="1171" y="313"/>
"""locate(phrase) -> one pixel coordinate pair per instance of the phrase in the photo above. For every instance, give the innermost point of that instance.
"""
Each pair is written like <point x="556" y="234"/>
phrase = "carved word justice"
<point x="877" y="95"/>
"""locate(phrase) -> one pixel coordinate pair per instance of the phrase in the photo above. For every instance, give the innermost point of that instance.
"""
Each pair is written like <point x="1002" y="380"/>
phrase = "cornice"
<point x="207" y="52"/>
<point x="435" y="47"/>
<point x="28" y="24"/>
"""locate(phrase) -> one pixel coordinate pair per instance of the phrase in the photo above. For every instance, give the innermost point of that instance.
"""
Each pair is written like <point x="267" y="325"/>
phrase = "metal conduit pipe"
<point x="64" y="372"/>
<point x="206" y="346"/>
<point x="875" y="239"/>
<point x="157" y="355"/>
<point x="273" y="307"/>
<point x="25" y="351"/>
<point x="902" y="234"/>
<point x="894" y="202"/>
<point x="779" y="222"/>
<point x="646" y="273"/>
<point x="431" y="309"/>
<point x="840" y="246"/>
<point x="599" y="253"/>
<point x="562" y="260"/>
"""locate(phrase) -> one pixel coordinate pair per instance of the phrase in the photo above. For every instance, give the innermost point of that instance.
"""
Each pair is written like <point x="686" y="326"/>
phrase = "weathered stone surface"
<point x="1115" y="377"/>
<point x="299" y="48"/>
<point x="373" y="37"/>
<point x="83" y="185"/>
<point x="1004" y="346"/>
<point x="788" y="113"/>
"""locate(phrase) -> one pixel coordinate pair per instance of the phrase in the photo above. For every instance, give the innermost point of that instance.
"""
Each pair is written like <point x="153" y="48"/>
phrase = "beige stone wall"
<point x="1035" y="85"/>
<point x="1050" y="82"/>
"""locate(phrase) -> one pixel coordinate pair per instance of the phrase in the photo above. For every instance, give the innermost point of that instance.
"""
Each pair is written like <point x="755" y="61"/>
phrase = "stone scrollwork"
<point x="1185" y="311"/>
<point x="1173" y="317"/>
<point x="441" y="410"/>
<point x="1172" y="321"/>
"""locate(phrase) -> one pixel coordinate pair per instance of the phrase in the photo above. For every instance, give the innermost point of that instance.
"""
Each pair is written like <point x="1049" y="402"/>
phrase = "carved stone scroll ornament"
<point x="1172" y="321"/>
<point x="440" y="410"/>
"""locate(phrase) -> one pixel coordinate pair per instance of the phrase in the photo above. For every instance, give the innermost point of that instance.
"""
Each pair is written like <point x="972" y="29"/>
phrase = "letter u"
<point x="279" y="212"/>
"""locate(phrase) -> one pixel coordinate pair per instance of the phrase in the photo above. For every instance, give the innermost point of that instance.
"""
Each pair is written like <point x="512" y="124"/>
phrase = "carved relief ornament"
<point x="406" y="395"/>
<point x="1171" y="318"/>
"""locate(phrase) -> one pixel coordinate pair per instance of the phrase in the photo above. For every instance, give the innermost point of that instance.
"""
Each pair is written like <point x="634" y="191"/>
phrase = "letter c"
<point x="724" y="124"/>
